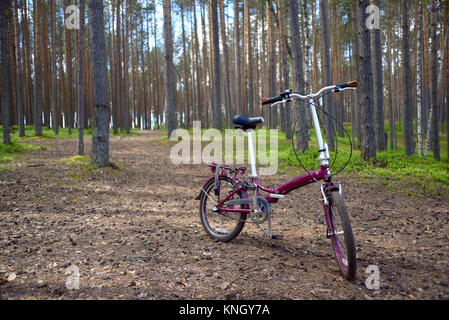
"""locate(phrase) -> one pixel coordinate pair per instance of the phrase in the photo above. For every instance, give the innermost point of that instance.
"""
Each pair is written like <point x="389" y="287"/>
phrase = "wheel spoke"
<point x="222" y="226"/>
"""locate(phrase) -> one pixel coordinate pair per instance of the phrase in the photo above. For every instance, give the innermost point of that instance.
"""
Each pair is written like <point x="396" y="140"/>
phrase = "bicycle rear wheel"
<point x="342" y="238"/>
<point x="221" y="226"/>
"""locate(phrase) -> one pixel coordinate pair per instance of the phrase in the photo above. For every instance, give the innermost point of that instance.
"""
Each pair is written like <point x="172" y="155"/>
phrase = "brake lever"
<point x="337" y="90"/>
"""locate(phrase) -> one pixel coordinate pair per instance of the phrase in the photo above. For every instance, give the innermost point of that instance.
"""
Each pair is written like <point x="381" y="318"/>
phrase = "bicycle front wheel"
<point x="220" y="226"/>
<point x="342" y="238"/>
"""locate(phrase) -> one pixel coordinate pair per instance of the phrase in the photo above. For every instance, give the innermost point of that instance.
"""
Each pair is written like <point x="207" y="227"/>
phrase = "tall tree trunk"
<point x="185" y="72"/>
<point x="271" y="64"/>
<point x="249" y="59"/>
<point x="435" y="136"/>
<point x="207" y="71"/>
<point x="390" y="81"/>
<point x="169" y="84"/>
<point x="367" y="143"/>
<point x="68" y="61"/>
<point x="55" y="108"/>
<point x="80" y="81"/>
<point x="419" y="84"/>
<point x="442" y="79"/>
<point x="238" y="81"/>
<point x="5" y="10"/>
<point x="326" y="67"/>
<point x="286" y="123"/>
<point x="356" y="128"/>
<point x="407" y="113"/>
<point x="217" y="68"/>
<point x="27" y="66"/>
<point x="227" y="76"/>
<point x="19" y="78"/>
<point x="37" y="71"/>
<point x="118" y="62"/>
<point x="47" y="82"/>
<point x="200" y="97"/>
<point x="302" y="126"/>
<point x="126" y="71"/>
<point x="158" y="89"/>
<point x="100" y="135"/>
<point x="144" y="77"/>
<point x="376" y="49"/>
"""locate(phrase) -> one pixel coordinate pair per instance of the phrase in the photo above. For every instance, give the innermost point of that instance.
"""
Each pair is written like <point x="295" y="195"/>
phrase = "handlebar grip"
<point x="351" y="84"/>
<point x="266" y="101"/>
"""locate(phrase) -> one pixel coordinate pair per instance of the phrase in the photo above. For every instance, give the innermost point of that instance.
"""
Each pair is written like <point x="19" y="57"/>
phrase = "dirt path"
<point x="136" y="234"/>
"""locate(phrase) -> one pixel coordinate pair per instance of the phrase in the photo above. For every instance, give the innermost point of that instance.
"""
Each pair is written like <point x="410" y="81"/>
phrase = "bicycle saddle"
<point x="246" y="123"/>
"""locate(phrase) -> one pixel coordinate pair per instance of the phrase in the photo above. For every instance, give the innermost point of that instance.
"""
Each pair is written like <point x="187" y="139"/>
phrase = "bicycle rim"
<point x="223" y="226"/>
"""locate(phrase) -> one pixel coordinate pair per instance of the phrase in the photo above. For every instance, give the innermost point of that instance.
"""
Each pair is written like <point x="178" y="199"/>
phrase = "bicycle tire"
<point x="346" y="257"/>
<point x="220" y="234"/>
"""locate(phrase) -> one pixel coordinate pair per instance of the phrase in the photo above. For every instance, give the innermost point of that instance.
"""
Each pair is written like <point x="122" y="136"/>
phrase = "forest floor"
<point x="135" y="233"/>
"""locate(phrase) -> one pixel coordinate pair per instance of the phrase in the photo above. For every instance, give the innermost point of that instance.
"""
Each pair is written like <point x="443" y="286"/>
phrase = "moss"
<point x="10" y="152"/>
<point x="76" y="161"/>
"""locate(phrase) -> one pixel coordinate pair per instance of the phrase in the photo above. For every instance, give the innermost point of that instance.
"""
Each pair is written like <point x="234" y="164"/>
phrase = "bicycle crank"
<point x="260" y="214"/>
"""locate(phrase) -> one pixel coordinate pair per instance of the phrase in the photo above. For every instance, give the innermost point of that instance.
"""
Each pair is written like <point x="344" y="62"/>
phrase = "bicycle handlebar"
<point x="351" y="84"/>
<point x="286" y="95"/>
<point x="266" y="101"/>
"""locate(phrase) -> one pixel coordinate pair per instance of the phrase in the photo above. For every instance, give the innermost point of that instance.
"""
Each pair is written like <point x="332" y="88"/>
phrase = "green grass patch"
<point x="12" y="151"/>
<point x="63" y="133"/>
<point x="76" y="161"/>
<point x="17" y="146"/>
<point x="81" y="166"/>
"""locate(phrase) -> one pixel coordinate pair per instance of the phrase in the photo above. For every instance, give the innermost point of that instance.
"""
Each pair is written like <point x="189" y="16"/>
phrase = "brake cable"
<point x="316" y="104"/>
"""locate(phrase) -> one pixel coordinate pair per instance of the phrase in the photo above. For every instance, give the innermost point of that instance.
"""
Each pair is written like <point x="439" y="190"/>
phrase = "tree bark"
<point x="286" y="121"/>
<point x="37" y="71"/>
<point x="302" y="125"/>
<point x="19" y="78"/>
<point x="419" y="84"/>
<point x="126" y="71"/>
<point x="185" y="73"/>
<point x="4" y="21"/>
<point x="434" y="84"/>
<point x="80" y="81"/>
<point x="367" y="143"/>
<point x="68" y="61"/>
<point x="376" y="49"/>
<point x="227" y="76"/>
<point x="356" y="128"/>
<point x="407" y="112"/>
<point x="390" y="82"/>
<point x="54" y="85"/>
<point x="326" y="69"/>
<point x="27" y="66"/>
<point x="100" y="135"/>
<point x="249" y="59"/>
<point x="238" y="81"/>
<point x="217" y="68"/>
<point x="169" y="84"/>
<point x="271" y="65"/>
<point x="118" y="63"/>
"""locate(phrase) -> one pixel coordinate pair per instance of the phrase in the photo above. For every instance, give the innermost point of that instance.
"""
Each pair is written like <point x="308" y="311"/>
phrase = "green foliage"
<point x="411" y="175"/>
<point x="82" y="166"/>
<point x="12" y="151"/>
<point x="76" y="161"/>
<point x="63" y="133"/>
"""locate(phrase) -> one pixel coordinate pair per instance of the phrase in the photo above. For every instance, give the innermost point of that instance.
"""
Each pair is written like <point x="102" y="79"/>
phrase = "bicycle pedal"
<point x="249" y="186"/>
<point x="277" y="237"/>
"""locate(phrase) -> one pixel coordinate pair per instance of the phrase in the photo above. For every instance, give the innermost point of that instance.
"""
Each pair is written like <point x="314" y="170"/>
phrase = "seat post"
<point x="252" y="158"/>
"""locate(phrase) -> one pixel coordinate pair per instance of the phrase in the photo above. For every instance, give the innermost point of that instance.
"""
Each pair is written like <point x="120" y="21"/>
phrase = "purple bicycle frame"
<point x="296" y="183"/>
